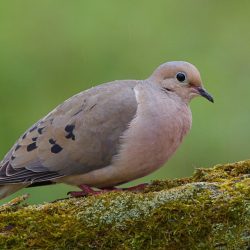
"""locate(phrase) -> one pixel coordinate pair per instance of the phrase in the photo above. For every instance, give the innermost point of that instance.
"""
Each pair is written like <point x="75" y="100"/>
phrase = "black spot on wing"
<point x="40" y="130"/>
<point x="34" y="138"/>
<point x="52" y="141"/>
<point x="24" y="136"/>
<point x="71" y="136"/>
<point x="69" y="129"/>
<point x="17" y="147"/>
<point x="31" y="147"/>
<point x="56" y="148"/>
<point x="32" y="129"/>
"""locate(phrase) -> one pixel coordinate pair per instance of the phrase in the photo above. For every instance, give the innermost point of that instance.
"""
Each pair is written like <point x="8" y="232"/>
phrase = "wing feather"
<point x="80" y="135"/>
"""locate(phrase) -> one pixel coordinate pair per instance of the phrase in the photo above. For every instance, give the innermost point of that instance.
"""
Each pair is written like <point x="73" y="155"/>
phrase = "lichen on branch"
<point x="210" y="210"/>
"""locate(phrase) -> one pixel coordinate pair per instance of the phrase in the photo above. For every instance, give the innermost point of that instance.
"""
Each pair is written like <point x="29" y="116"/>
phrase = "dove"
<point x="107" y="135"/>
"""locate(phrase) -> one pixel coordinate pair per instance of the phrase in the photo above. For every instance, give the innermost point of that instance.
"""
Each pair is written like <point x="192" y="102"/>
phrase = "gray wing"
<point x="80" y="135"/>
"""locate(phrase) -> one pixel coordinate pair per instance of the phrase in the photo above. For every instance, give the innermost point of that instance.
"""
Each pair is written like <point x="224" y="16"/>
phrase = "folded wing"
<point x="80" y="135"/>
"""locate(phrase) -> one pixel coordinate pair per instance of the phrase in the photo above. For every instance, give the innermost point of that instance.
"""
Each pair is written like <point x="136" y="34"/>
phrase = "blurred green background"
<point x="50" y="50"/>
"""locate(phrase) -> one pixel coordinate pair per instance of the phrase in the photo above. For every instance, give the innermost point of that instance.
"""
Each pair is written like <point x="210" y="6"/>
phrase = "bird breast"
<point x="154" y="134"/>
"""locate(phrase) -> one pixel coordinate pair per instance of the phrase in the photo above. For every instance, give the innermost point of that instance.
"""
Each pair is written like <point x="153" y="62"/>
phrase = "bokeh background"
<point x="50" y="50"/>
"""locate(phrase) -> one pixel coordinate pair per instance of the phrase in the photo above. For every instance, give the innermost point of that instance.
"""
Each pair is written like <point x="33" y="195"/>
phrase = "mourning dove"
<point x="107" y="135"/>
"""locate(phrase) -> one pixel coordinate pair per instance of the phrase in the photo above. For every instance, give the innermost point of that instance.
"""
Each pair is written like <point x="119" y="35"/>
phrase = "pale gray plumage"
<point x="106" y="135"/>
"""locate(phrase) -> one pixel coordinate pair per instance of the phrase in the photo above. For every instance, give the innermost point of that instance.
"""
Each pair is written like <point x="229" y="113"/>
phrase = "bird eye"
<point x="181" y="77"/>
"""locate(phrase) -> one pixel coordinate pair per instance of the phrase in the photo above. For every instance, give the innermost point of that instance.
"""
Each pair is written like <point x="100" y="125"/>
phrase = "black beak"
<point x="205" y="94"/>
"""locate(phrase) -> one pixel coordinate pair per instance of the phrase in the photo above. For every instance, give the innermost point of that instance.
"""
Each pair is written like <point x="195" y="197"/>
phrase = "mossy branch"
<point x="210" y="210"/>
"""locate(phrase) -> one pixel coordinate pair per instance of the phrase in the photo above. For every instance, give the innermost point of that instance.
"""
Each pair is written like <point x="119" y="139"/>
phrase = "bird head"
<point x="180" y="78"/>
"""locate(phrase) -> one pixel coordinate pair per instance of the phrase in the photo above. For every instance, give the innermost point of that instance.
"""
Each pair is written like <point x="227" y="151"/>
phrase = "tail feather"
<point x="9" y="189"/>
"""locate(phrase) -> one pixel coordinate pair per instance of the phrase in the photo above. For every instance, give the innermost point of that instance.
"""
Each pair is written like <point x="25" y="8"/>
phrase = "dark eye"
<point x="181" y="77"/>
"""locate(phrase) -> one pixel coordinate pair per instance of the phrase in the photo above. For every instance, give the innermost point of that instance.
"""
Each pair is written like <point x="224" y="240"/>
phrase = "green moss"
<point x="210" y="210"/>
